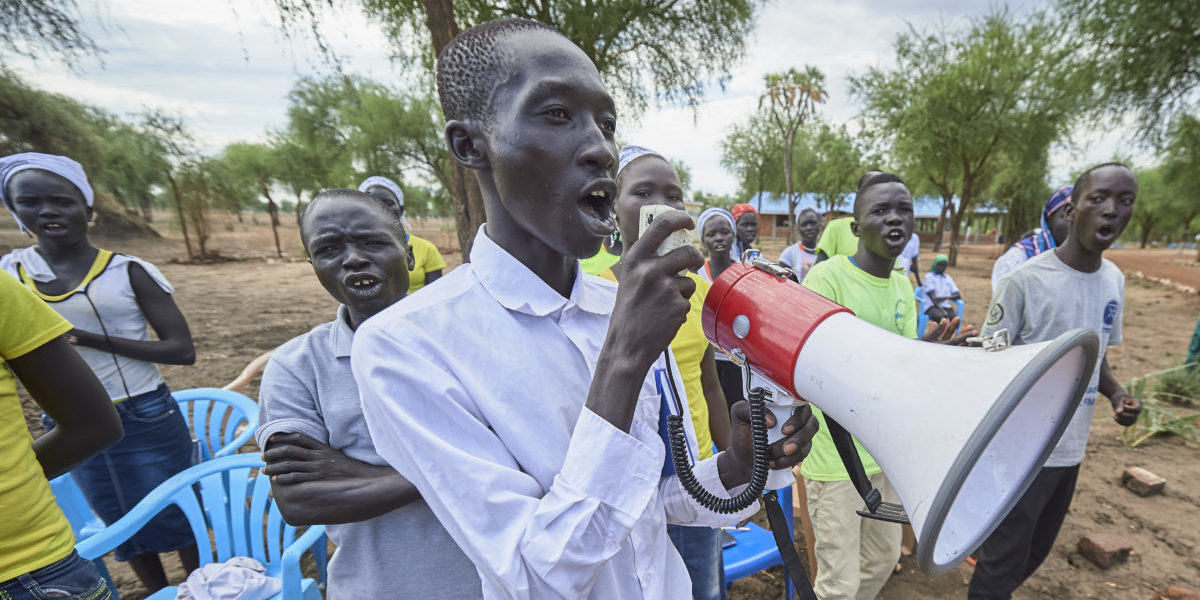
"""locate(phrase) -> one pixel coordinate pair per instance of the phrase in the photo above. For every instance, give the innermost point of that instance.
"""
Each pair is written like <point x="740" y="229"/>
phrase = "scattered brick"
<point x="1142" y="482"/>
<point x="1177" y="592"/>
<point x="1104" y="549"/>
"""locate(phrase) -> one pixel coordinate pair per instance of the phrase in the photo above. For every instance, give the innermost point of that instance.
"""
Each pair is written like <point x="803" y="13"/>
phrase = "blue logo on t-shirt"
<point x="1110" y="312"/>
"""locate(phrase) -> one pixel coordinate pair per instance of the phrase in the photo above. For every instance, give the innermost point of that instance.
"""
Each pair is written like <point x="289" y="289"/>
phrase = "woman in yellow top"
<point x="37" y="549"/>
<point x="428" y="261"/>
<point x="644" y="178"/>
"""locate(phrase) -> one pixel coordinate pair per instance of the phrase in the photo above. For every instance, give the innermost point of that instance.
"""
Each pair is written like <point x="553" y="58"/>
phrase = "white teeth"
<point x="599" y="194"/>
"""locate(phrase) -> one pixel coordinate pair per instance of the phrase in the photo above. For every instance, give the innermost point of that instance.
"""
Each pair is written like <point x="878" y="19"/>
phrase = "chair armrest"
<point x="289" y="570"/>
<point x="236" y="444"/>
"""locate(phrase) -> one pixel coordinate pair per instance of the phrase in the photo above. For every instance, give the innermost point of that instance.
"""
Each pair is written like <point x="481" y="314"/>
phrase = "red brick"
<point x="1142" y="482"/>
<point x="1104" y="549"/>
<point x="1177" y="592"/>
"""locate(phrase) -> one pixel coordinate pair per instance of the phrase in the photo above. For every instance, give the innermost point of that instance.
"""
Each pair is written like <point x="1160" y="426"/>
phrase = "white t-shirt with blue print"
<point x="1046" y="298"/>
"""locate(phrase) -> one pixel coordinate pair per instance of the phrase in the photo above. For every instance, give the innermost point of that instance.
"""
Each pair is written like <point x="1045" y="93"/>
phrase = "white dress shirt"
<point x="474" y="390"/>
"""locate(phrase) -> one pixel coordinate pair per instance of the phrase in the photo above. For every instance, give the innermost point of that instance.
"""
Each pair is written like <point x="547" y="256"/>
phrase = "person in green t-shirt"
<point x="855" y="556"/>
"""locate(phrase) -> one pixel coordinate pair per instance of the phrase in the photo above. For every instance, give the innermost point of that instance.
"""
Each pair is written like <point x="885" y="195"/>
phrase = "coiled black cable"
<point x="758" y="476"/>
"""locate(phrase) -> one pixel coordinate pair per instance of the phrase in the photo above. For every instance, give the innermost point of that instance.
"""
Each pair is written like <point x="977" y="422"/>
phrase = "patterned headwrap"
<point x="629" y="154"/>
<point x="741" y="209"/>
<point x="1042" y="239"/>
<point x="59" y="165"/>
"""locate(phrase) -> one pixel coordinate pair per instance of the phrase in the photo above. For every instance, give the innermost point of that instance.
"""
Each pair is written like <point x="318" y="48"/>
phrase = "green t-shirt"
<point x="886" y="303"/>
<point x="838" y="239"/>
<point x="598" y="262"/>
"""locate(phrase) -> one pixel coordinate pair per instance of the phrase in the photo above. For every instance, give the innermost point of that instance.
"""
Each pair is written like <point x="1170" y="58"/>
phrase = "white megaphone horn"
<point x="960" y="452"/>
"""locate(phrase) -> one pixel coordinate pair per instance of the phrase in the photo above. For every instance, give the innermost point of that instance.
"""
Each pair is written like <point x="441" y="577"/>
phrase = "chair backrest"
<point x="222" y="421"/>
<point x="75" y="506"/>
<point x="228" y="495"/>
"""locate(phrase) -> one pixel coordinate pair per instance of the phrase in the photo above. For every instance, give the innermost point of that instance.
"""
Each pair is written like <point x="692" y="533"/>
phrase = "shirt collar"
<point x="340" y="335"/>
<point x="518" y="289"/>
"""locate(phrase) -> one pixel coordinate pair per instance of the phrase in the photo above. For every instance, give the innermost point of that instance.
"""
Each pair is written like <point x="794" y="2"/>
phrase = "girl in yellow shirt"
<point x="646" y="178"/>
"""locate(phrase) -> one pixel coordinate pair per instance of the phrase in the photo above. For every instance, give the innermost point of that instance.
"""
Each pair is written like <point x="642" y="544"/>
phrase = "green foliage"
<point x="789" y="101"/>
<point x="664" y="51"/>
<point x="1144" y="56"/>
<point x="33" y="27"/>
<point x="837" y="163"/>
<point x="708" y="200"/>
<point x="752" y="151"/>
<point x="957" y="101"/>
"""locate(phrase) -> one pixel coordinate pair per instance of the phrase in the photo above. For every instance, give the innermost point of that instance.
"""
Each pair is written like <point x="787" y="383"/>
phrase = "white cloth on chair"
<point x="239" y="578"/>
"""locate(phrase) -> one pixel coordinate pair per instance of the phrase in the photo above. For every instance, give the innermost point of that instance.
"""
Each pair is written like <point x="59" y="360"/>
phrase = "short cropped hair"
<point x="867" y="176"/>
<point x="871" y="182"/>
<point x="473" y="64"/>
<point x="392" y="215"/>
<point x="1086" y="176"/>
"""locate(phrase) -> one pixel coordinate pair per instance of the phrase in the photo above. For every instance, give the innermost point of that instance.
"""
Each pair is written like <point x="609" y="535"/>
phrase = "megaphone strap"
<point x="792" y="564"/>
<point x="876" y="507"/>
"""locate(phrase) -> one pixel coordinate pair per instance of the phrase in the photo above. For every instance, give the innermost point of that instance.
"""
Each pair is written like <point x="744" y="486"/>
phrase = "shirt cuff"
<point x="610" y="465"/>
<point x="308" y="428"/>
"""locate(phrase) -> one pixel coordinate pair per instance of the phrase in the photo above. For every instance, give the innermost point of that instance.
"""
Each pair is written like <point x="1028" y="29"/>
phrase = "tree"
<point x="790" y="99"/>
<point x="955" y="103"/>
<point x="1180" y="166"/>
<point x="172" y="139"/>
<point x="751" y="151"/>
<point x="31" y="27"/>
<point x="1144" y="55"/>
<point x="836" y="165"/>
<point x="259" y="165"/>
<point x="666" y="51"/>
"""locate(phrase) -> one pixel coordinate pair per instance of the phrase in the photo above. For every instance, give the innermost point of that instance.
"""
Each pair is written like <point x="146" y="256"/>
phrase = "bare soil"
<point x="239" y="309"/>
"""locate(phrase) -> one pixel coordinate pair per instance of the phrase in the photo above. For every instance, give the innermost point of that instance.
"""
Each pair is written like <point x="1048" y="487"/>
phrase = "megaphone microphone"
<point x="959" y="454"/>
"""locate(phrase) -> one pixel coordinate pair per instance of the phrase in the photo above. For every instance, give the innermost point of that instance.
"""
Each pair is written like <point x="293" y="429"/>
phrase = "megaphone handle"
<point x="787" y="547"/>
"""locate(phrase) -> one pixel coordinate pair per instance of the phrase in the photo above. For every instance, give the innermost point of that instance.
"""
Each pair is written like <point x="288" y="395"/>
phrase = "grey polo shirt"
<point x="308" y="388"/>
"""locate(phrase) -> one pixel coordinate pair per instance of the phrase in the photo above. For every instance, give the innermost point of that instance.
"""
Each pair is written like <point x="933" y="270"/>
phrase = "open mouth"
<point x="1106" y="232"/>
<point x="895" y="236"/>
<point x="597" y="206"/>
<point x="363" y="284"/>
<point x="53" y="227"/>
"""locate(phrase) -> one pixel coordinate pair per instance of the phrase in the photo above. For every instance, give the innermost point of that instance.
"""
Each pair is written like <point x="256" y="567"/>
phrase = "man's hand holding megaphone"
<point x="942" y="332"/>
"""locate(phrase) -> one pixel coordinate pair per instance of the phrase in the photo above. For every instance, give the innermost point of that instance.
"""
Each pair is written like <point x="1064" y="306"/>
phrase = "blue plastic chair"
<point x="230" y="499"/>
<point x="216" y="418"/>
<point x="755" y="549"/>
<point x="83" y="520"/>
<point x="923" y="319"/>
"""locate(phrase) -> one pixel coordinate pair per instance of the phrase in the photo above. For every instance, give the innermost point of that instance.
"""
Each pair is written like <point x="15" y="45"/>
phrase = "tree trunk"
<point x="956" y="215"/>
<point x="187" y="241"/>
<point x="299" y="208"/>
<point x="273" y="210"/>
<point x="787" y="179"/>
<point x="941" y="224"/>
<point x="468" y="201"/>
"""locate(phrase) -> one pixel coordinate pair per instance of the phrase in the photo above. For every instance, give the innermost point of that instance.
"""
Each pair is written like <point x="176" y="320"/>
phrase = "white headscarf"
<point x="629" y="154"/>
<point x="387" y="184"/>
<point x="59" y="165"/>
<point x="715" y="211"/>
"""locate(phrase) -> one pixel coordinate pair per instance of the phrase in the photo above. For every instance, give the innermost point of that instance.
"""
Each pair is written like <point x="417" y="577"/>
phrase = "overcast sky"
<point x="226" y="67"/>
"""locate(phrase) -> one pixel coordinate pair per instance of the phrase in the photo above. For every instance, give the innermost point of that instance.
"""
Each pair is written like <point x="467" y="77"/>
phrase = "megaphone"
<point x="959" y="453"/>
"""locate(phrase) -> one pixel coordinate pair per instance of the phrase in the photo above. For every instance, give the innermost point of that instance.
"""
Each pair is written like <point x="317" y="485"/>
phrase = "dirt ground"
<point x="239" y="309"/>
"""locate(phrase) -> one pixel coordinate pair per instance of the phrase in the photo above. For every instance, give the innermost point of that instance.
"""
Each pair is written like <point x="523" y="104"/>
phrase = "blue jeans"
<point x="157" y="445"/>
<point x="71" y="578"/>
<point x="701" y="550"/>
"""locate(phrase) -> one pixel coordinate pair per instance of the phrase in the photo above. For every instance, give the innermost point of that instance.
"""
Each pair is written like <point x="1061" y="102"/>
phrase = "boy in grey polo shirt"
<point x="319" y="454"/>
<point x="1070" y="286"/>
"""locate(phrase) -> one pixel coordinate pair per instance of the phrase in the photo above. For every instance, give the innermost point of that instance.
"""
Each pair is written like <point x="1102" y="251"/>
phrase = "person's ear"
<point x="467" y="144"/>
<point x="854" y="227"/>
<point x="89" y="212"/>
<point x="1068" y="212"/>
<point x="412" y="259"/>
